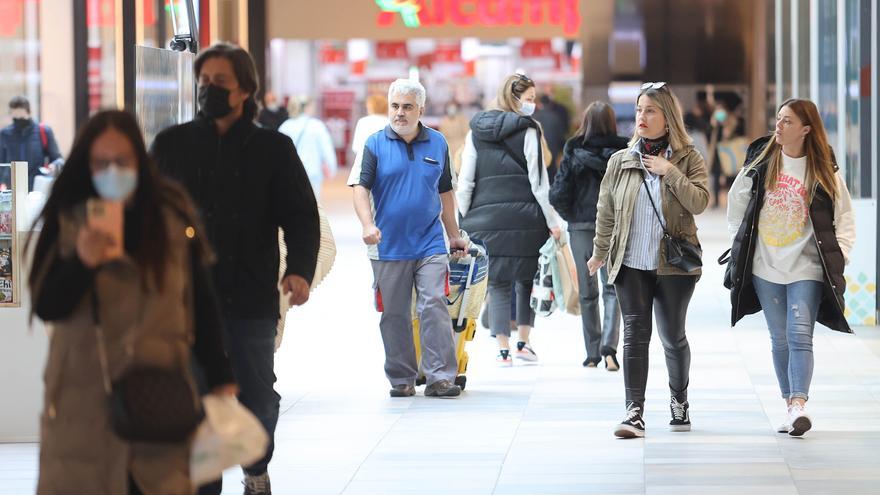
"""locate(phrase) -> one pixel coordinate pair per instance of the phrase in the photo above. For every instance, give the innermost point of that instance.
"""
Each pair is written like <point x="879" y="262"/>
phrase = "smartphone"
<point x="106" y="216"/>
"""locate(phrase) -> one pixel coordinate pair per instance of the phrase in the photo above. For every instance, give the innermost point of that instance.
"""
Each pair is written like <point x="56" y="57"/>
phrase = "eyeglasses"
<point x="653" y="85"/>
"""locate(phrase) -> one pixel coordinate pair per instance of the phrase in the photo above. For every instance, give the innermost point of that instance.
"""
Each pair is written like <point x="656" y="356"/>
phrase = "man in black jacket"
<point x="247" y="182"/>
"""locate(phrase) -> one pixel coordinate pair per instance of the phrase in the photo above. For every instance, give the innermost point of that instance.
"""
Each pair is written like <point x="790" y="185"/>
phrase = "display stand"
<point x="23" y="345"/>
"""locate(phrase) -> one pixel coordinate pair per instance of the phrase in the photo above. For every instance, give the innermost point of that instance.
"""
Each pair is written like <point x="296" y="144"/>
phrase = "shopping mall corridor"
<point x="546" y="429"/>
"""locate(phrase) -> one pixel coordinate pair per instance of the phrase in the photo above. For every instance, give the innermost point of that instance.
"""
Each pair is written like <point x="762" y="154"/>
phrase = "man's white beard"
<point x="404" y="130"/>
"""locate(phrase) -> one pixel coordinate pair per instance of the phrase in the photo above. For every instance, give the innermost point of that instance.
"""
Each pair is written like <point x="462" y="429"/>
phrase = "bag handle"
<point x="724" y="258"/>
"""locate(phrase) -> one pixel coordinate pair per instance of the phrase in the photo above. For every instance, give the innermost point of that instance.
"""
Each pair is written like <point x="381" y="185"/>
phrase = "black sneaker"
<point x="402" y="390"/>
<point x="681" y="416"/>
<point x="442" y="388"/>
<point x="632" y="426"/>
<point x="257" y="485"/>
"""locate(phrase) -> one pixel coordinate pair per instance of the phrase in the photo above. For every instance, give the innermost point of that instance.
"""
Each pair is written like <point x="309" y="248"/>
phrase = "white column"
<point x="57" y="107"/>
<point x="814" y="51"/>
<point x="840" y="147"/>
<point x="875" y="87"/>
<point x="795" y="49"/>
<point x="777" y="20"/>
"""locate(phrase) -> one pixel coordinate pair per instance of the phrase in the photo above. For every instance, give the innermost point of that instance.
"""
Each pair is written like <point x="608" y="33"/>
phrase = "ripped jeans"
<point x="791" y="311"/>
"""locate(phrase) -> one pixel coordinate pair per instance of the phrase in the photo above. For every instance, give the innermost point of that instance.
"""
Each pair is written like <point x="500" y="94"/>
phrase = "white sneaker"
<point x="783" y="428"/>
<point x="799" y="419"/>
<point x="503" y="359"/>
<point x="525" y="352"/>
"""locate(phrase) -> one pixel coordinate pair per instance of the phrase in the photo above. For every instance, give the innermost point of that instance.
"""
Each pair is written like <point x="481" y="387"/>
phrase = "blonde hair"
<point x="377" y="104"/>
<point x="296" y="105"/>
<point x="510" y="91"/>
<point x="820" y="159"/>
<point x="671" y="108"/>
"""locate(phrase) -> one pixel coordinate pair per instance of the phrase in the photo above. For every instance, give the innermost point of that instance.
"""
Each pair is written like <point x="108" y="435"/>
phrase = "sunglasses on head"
<point x="653" y="85"/>
<point x="524" y="78"/>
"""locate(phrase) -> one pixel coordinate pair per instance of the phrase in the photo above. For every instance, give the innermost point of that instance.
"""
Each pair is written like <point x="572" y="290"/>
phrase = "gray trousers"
<point x="395" y="281"/>
<point x="500" y="306"/>
<point x="599" y="340"/>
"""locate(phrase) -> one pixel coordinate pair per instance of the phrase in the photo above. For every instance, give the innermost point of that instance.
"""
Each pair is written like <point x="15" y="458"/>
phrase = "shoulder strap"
<point x="44" y="138"/>
<point x="654" y="206"/>
<point x="301" y="132"/>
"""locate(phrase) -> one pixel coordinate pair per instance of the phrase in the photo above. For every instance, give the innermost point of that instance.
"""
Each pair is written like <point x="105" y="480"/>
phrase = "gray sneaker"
<point x="257" y="485"/>
<point x="402" y="390"/>
<point x="442" y="388"/>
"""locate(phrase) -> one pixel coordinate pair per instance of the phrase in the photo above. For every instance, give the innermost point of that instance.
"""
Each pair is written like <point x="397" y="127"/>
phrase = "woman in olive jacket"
<point x="794" y="227"/>
<point x="152" y="300"/>
<point x="658" y="184"/>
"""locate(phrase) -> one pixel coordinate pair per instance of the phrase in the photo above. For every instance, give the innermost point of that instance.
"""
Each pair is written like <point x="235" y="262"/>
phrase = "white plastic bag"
<point x="230" y="435"/>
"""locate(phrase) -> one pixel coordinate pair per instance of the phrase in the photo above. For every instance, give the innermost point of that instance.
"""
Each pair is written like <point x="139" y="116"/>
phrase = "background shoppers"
<point x="140" y="298"/>
<point x="791" y="211"/>
<point x="375" y="120"/>
<point x="312" y="141"/>
<point x="503" y="199"/>
<point x="28" y="141"/>
<point x="660" y="169"/>
<point x="574" y="195"/>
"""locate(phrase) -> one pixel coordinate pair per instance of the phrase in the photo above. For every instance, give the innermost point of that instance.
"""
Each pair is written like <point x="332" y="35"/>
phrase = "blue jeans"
<point x="791" y="311"/>
<point x="250" y="344"/>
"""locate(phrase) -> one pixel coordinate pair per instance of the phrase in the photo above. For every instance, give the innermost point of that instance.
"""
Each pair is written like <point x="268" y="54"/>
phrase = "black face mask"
<point x="214" y="101"/>
<point x="21" y="123"/>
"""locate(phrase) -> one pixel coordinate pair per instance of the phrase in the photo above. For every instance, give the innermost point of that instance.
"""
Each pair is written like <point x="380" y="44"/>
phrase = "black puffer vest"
<point x="504" y="213"/>
<point x="738" y="277"/>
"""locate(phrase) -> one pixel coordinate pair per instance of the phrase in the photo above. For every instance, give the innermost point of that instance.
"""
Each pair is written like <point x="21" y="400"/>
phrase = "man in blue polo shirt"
<point x="402" y="190"/>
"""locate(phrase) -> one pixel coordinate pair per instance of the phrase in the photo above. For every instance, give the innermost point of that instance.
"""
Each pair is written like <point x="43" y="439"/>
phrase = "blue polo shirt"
<point x="405" y="182"/>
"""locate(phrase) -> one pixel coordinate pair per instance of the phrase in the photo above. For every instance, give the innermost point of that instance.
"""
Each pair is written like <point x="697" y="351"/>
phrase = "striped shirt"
<point x="646" y="231"/>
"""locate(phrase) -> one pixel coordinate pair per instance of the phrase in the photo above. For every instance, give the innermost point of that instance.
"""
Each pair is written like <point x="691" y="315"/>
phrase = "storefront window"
<point x="20" y="46"/>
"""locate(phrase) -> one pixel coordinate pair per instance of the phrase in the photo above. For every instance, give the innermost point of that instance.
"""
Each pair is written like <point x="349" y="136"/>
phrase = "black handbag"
<point x="679" y="252"/>
<point x="149" y="403"/>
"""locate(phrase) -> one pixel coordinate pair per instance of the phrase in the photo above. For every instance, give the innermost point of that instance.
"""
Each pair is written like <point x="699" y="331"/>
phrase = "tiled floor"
<point x="546" y="429"/>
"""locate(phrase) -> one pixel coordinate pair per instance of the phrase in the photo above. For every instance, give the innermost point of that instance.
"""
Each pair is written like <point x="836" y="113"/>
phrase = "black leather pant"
<point x="638" y="291"/>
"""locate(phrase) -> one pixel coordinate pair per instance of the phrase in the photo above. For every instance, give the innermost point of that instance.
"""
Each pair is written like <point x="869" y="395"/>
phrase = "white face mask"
<point x="115" y="183"/>
<point x="527" y="108"/>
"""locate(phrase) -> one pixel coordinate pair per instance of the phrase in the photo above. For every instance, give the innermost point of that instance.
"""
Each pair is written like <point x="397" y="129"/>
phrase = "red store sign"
<point x="486" y="13"/>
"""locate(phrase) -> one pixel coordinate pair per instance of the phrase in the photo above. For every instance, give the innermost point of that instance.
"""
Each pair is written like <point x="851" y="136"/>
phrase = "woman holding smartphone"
<point x="655" y="186"/>
<point x="151" y="296"/>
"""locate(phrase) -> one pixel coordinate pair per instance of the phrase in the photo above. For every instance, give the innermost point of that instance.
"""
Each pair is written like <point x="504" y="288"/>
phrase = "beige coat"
<point x="684" y="194"/>
<point x="79" y="453"/>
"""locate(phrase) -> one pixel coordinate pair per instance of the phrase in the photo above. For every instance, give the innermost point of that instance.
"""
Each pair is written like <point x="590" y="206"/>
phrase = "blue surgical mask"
<point x="115" y="183"/>
<point x="720" y="115"/>
<point x="527" y="108"/>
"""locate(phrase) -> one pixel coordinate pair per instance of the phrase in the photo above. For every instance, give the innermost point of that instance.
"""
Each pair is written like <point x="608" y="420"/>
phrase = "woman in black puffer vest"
<point x="503" y="199"/>
<point x="574" y="195"/>
<point x="793" y="224"/>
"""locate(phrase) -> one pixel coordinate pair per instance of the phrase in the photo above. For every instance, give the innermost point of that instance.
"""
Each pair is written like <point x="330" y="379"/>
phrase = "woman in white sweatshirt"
<point x="792" y="218"/>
